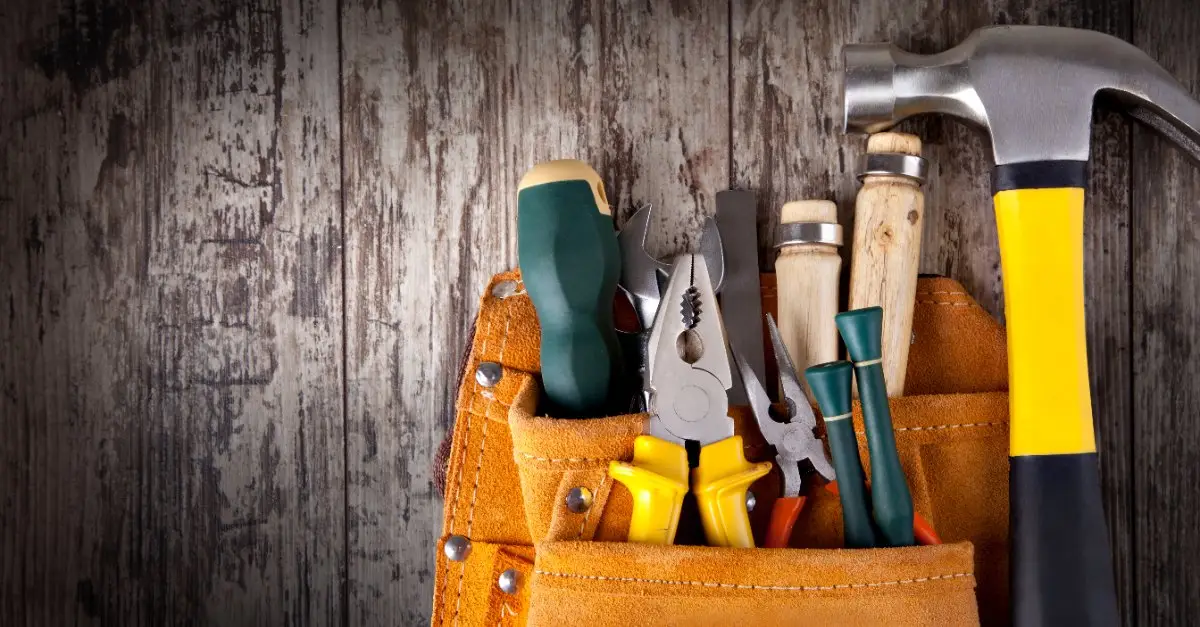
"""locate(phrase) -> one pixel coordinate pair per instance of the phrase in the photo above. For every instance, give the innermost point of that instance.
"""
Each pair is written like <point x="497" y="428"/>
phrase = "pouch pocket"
<point x="953" y="448"/>
<point x="610" y="583"/>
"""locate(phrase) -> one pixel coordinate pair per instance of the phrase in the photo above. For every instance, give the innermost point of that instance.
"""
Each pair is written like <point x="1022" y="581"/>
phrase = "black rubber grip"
<point x="1039" y="175"/>
<point x="1061" y="567"/>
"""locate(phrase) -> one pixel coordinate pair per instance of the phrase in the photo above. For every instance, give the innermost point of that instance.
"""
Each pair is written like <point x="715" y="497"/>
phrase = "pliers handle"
<point x="658" y="480"/>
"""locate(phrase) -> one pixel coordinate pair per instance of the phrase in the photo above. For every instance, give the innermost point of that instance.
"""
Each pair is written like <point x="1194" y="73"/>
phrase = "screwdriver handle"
<point x="830" y="383"/>
<point x="861" y="330"/>
<point x="570" y="263"/>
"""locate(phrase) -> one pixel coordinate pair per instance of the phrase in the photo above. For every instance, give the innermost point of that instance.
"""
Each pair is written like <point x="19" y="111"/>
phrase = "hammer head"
<point x="1031" y="87"/>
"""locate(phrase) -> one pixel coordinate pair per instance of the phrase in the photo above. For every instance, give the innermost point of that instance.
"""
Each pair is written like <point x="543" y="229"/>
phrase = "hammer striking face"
<point x="1032" y="89"/>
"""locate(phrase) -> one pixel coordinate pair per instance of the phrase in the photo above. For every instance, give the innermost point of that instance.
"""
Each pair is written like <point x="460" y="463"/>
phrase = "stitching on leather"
<point x="943" y="302"/>
<point x="964" y="425"/>
<point x="483" y="438"/>
<point x="503" y="609"/>
<point x="947" y="293"/>
<point x="957" y="426"/>
<point x="492" y="400"/>
<point x="462" y="570"/>
<point x="562" y="460"/>
<point x="479" y="460"/>
<point x="595" y="504"/>
<point x="743" y="586"/>
<point x="483" y="415"/>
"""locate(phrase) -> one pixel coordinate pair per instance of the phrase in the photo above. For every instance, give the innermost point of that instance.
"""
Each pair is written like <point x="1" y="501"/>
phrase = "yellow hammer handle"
<point x="658" y="478"/>
<point x="720" y="483"/>
<point x="1041" y="254"/>
<point x="1061" y="563"/>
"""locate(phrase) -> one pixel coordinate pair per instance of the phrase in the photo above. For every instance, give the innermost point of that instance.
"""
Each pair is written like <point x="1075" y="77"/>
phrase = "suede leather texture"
<point x="510" y="470"/>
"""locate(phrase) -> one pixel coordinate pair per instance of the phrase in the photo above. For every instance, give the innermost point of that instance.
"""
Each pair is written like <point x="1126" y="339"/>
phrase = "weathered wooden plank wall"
<point x="1166" y="346"/>
<point x="174" y="313"/>
<point x="212" y="413"/>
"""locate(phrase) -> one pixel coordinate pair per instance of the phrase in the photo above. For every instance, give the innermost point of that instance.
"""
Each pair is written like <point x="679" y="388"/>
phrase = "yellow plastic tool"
<point x="689" y="377"/>
<point x="658" y="479"/>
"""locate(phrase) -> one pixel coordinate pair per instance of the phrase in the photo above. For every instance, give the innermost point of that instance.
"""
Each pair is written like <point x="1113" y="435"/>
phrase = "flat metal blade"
<point x="741" y="292"/>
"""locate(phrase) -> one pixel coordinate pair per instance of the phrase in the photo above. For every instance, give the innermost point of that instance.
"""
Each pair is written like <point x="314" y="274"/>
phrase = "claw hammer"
<point x="1032" y="88"/>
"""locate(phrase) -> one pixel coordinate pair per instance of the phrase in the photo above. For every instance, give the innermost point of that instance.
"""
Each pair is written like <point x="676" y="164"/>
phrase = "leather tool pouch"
<point x="510" y="471"/>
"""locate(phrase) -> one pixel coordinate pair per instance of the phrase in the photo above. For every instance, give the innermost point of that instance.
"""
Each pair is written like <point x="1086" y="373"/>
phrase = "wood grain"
<point x="1166" y="348"/>
<point x="446" y="106"/>
<point x="885" y="248"/>
<point x="175" y="311"/>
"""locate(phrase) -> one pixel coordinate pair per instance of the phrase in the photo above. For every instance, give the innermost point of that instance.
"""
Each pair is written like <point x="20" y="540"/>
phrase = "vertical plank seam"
<point x="729" y="91"/>
<point x="1131" y="613"/>
<point x="341" y="63"/>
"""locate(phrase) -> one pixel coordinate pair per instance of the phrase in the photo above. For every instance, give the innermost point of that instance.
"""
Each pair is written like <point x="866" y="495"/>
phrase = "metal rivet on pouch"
<point x="579" y="500"/>
<point x="751" y="501"/>
<point x="504" y="289"/>
<point x="457" y="548"/>
<point x="509" y="581"/>
<point x="488" y="374"/>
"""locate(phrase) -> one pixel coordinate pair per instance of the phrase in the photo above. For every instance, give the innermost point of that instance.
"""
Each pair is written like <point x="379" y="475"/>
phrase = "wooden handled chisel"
<point x="570" y="263"/>
<point x="888" y="214"/>
<point x="807" y="274"/>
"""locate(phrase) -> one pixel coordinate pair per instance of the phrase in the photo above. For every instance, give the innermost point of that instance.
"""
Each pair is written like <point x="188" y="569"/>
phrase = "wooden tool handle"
<point x="807" y="275"/>
<point x="888" y="215"/>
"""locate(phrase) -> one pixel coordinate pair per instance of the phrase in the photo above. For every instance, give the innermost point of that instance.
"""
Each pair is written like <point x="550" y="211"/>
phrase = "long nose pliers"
<point x="799" y="453"/>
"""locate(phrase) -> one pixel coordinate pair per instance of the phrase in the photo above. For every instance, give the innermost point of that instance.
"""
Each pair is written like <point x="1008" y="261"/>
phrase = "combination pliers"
<point x="688" y="380"/>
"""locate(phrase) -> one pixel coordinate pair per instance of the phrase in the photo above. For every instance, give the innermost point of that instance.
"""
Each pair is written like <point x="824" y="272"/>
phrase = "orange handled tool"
<point x="794" y="440"/>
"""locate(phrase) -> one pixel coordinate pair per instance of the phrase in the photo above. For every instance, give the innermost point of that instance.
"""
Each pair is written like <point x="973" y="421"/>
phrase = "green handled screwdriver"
<point x="830" y="384"/>
<point x="862" y="331"/>
<point x="570" y="263"/>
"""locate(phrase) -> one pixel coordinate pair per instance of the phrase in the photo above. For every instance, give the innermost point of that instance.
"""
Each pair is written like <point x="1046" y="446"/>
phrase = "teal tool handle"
<point x="567" y="251"/>
<point x="861" y="330"/>
<point x="830" y="383"/>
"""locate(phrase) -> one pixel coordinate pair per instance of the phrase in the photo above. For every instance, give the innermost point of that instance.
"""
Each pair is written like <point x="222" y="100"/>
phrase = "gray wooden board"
<point x="1165" y="533"/>
<point x="173" y="295"/>
<point x="210" y="413"/>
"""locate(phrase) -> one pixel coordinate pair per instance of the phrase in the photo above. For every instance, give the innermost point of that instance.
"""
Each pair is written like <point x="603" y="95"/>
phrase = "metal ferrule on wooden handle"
<point x="807" y="275"/>
<point x="888" y="214"/>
